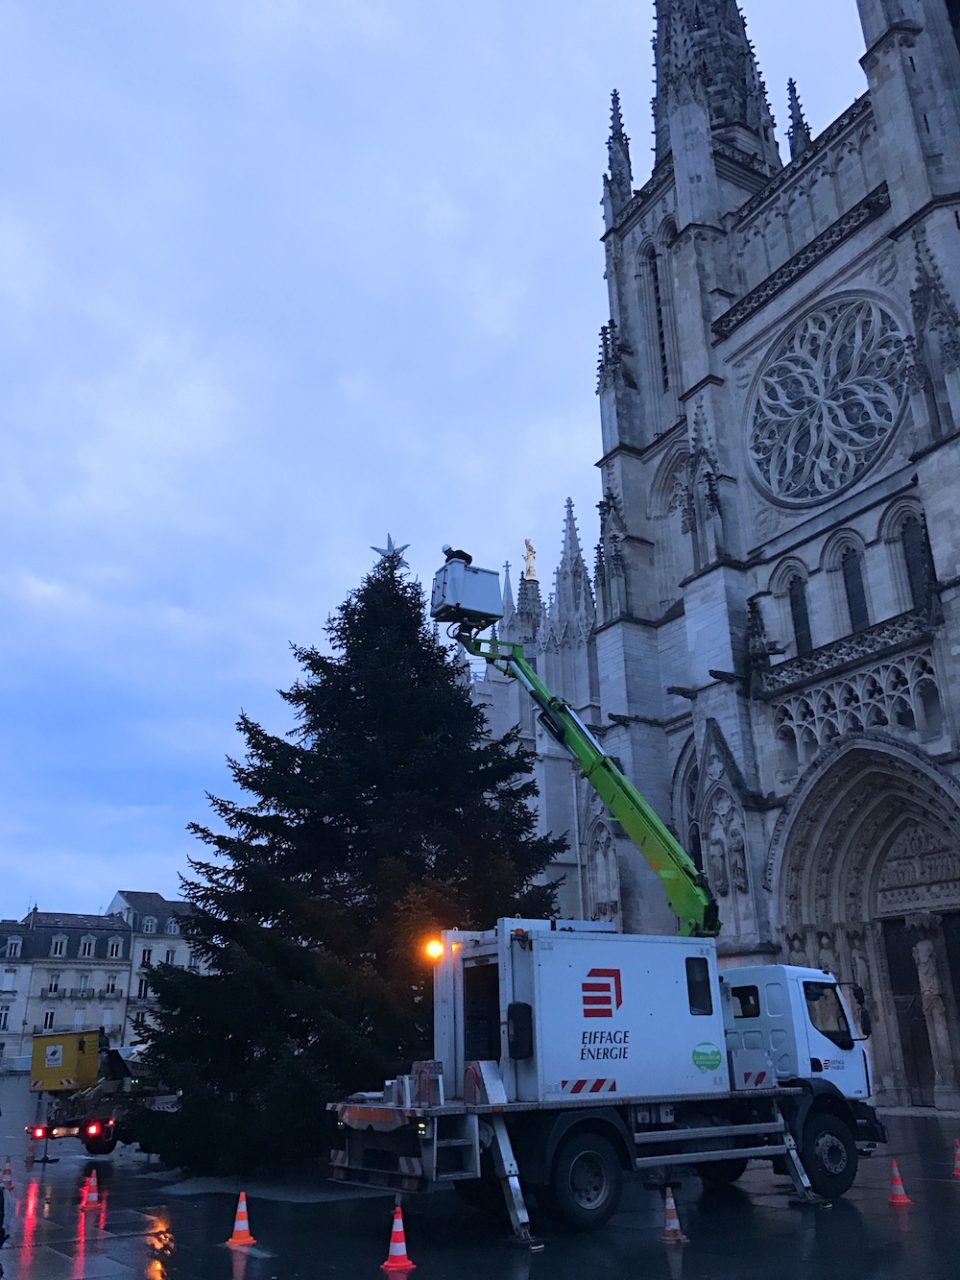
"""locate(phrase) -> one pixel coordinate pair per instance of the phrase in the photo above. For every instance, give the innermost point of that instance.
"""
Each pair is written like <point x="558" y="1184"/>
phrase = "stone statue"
<point x="717" y="854"/>
<point x="738" y="857"/>
<point x="934" y="1011"/>
<point x="797" y="954"/>
<point x="925" y="958"/>
<point x="529" y="561"/>
<point x="860" y="969"/>
<point x="827" y="957"/>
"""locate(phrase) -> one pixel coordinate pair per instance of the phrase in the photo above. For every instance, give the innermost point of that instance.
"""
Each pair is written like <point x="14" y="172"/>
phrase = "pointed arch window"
<point x="918" y="559"/>
<point x="657" y="292"/>
<point x="799" y="614"/>
<point x="851" y="566"/>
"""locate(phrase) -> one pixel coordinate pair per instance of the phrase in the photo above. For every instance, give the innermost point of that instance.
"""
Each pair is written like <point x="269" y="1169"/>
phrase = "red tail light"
<point x="38" y="1132"/>
<point x="93" y="1129"/>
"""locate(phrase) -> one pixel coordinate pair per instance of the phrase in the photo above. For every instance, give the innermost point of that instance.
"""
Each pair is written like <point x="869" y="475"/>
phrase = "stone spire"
<point x="798" y="134"/>
<point x="508" y="606"/>
<point x="618" y="182"/>
<point x="573" y="592"/>
<point x="702" y="50"/>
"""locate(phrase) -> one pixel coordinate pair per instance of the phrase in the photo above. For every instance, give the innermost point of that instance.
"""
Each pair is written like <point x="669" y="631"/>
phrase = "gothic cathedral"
<point x="769" y="637"/>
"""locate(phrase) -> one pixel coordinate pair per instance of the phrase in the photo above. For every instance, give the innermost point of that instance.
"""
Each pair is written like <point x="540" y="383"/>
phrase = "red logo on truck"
<point x="601" y="993"/>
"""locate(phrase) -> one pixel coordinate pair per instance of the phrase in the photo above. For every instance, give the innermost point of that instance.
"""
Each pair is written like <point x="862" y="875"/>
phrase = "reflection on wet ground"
<point x="140" y="1222"/>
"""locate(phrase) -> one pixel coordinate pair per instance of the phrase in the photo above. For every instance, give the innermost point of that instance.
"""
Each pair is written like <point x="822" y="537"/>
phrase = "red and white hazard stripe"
<point x="754" y="1080"/>
<point x="588" y="1086"/>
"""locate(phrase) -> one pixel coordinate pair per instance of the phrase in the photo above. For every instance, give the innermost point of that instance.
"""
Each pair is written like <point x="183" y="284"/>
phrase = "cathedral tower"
<point x="772" y="643"/>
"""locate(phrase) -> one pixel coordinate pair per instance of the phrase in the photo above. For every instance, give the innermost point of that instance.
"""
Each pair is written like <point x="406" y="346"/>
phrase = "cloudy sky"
<point x="278" y="277"/>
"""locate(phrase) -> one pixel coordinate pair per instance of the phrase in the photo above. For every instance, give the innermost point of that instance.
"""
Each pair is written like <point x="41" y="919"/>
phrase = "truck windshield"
<point x="826" y="1013"/>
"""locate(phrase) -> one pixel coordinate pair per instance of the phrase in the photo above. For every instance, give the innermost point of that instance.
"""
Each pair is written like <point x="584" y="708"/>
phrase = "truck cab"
<point x="801" y="1018"/>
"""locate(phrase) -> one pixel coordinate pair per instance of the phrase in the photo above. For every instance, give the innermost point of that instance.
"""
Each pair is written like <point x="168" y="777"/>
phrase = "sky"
<point x="279" y="278"/>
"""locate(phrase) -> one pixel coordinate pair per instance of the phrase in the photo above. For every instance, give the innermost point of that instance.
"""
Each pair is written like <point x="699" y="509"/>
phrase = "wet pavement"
<point x="155" y="1226"/>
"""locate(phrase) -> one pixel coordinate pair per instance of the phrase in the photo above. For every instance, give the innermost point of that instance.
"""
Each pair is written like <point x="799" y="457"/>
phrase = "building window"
<point x="4" y="1017"/>
<point x="149" y="925"/>
<point x="115" y="948"/>
<point x="87" y="946"/>
<point x="143" y="989"/>
<point x="193" y="964"/>
<point x="146" y="956"/>
<point x="9" y="980"/>
<point x="13" y="948"/>
<point x="58" y="947"/>
<point x="919" y="561"/>
<point x="53" y="983"/>
<point x="111" y="987"/>
<point x="49" y="1018"/>
<point x="83" y="981"/>
<point x="658" y="313"/>
<point x="851" y="566"/>
<point x="173" y="925"/>
<point x="171" y="956"/>
<point x="800" y="614"/>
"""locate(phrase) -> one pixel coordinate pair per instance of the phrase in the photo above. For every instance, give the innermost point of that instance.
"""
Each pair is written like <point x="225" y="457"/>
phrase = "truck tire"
<point x="722" y="1173"/>
<point x="829" y="1155"/>
<point x="587" y="1181"/>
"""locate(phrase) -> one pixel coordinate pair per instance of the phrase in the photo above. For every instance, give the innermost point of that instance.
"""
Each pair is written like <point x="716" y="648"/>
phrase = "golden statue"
<point x="529" y="561"/>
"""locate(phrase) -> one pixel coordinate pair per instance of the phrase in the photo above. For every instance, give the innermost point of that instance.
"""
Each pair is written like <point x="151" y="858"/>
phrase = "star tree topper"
<point x="392" y="549"/>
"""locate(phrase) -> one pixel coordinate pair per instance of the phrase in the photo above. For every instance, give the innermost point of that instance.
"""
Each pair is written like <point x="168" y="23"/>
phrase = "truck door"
<point x="833" y="1052"/>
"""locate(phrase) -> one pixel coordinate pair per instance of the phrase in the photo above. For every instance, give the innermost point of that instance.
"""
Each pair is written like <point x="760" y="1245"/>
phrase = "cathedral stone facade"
<point x="768" y="637"/>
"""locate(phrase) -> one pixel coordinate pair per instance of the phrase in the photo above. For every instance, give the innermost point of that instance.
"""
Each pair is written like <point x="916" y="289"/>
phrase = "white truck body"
<point x="616" y="1015"/>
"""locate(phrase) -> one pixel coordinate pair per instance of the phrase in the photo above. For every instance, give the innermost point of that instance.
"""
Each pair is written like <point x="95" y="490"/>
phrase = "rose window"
<point x="830" y="395"/>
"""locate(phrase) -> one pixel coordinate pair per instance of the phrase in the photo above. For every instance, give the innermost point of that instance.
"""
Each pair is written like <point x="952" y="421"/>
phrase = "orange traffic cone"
<point x="898" y="1197"/>
<point x="956" y="1158"/>
<point x="241" y="1227"/>
<point x="671" y="1233"/>
<point x="397" y="1259"/>
<point x="7" y="1181"/>
<point x="92" y="1198"/>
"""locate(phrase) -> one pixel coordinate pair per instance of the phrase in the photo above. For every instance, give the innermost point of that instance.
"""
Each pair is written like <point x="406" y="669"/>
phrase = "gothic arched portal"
<point x="865" y="864"/>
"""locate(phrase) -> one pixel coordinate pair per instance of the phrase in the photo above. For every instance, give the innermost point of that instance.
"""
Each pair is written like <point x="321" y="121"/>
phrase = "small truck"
<point x="91" y="1095"/>
<point x="567" y="1055"/>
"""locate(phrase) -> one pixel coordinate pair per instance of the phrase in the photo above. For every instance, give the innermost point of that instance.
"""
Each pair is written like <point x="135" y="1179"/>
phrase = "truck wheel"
<point x="829" y="1155"/>
<point x="587" y="1181"/>
<point x="722" y="1173"/>
<point x="100" y="1146"/>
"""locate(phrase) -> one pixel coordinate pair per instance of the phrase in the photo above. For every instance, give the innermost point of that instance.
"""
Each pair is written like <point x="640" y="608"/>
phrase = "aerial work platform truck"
<point x="567" y="1055"/>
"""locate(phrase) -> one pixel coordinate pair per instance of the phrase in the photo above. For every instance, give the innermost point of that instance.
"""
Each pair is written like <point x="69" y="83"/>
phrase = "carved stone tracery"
<point x="900" y="693"/>
<point x="829" y="397"/>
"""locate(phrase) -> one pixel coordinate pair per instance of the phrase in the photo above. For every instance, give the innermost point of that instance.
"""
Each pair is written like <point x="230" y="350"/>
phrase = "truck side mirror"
<point x="866" y="1022"/>
<point x="858" y="994"/>
<point x="520" y="1030"/>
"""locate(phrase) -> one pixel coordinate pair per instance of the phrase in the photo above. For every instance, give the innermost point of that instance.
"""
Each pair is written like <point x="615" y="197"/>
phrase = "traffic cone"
<point x="898" y="1197"/>
<point x="92" y="1198"/>
<point x="956" y="1158"/>
<point x="241" y="1227"/>
<point x="397" y="1259"/>
<point x="671" y="1233"/>
<point x="7" y="1181"/>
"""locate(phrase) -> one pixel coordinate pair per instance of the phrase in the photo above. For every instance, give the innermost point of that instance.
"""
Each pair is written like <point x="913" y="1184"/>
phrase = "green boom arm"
<point x="687" y="891"/>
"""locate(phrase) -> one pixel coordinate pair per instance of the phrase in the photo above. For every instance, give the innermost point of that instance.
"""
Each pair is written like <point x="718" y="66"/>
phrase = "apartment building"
<point x="62" y="971"/>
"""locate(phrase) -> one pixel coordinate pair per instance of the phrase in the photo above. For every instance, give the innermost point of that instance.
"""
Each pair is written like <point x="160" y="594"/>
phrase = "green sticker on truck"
<point x="707" y="1057"/>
